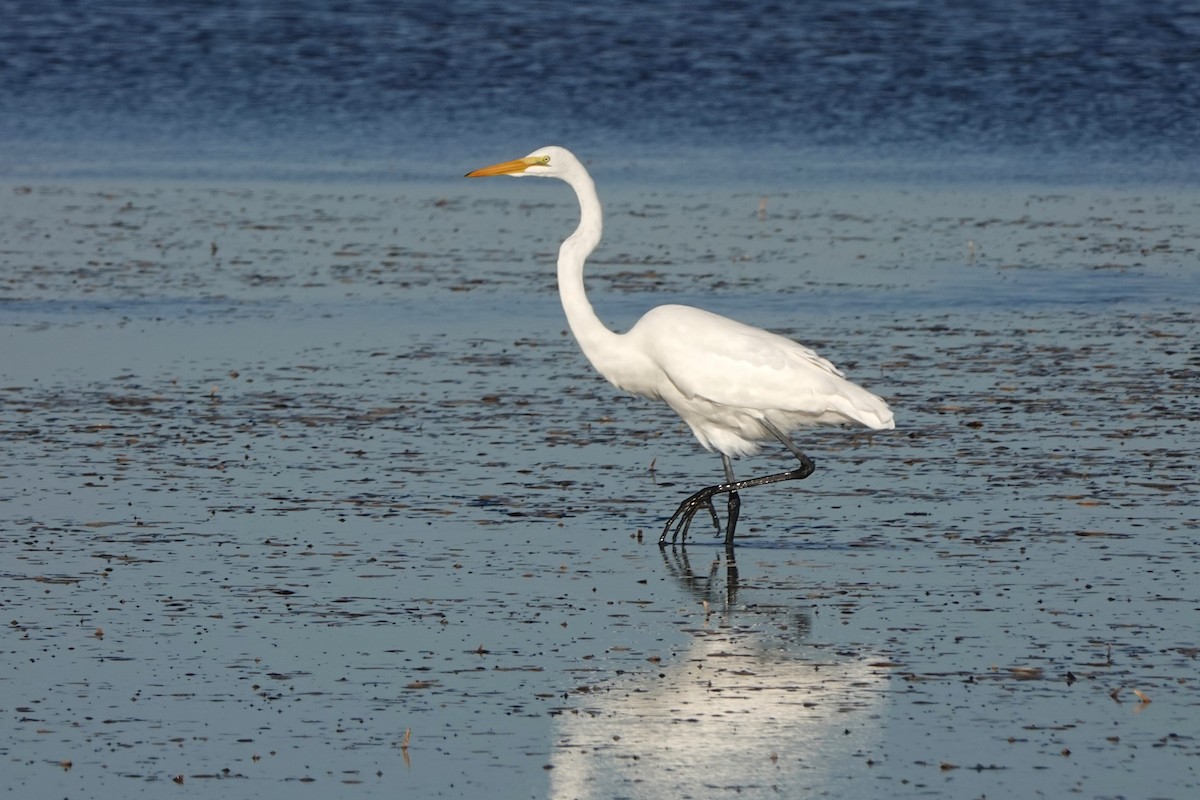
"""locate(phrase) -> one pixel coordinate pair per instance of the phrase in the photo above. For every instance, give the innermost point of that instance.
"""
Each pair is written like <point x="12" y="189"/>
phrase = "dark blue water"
<point x="1077" y="90"/>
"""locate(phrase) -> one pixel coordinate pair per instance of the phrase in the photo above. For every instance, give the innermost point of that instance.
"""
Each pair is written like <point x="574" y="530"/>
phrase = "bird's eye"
<point x="545" y="159"/>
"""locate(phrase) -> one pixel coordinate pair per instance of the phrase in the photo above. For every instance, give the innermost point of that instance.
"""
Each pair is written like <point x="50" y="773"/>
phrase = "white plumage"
<point x="735" y="386"/>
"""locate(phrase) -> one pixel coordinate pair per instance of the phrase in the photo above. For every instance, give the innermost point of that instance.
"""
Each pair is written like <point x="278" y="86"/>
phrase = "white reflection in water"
<point x="750" y="708"/>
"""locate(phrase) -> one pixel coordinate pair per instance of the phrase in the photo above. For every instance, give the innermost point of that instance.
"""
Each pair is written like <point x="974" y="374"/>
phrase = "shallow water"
<point x="296" y="475"/>
<point x="307" y="491"/>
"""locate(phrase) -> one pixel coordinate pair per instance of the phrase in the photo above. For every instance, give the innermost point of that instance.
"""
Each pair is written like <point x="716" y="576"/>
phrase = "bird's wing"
<point x="731" y="364"/>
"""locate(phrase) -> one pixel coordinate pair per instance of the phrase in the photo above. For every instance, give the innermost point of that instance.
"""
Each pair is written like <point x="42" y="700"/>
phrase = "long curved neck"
<point x="594" y="338"/>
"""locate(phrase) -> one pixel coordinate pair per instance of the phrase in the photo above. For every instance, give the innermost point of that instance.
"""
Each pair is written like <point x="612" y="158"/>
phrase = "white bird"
<point x="734" y="385"/>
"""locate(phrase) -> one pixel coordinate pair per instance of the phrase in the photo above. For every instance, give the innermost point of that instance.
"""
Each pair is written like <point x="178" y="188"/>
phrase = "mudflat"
<point x="307" y="491"/>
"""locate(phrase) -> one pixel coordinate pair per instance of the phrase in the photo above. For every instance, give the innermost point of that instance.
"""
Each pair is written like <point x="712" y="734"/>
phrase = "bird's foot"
<point x="681" y="521"/>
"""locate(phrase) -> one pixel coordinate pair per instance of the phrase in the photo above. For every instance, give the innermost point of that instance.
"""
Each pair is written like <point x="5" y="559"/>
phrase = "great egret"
<point x="734" y="385"/>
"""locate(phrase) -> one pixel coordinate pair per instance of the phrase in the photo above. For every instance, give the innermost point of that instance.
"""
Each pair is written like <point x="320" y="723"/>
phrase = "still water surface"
<point x="273" y="506"/>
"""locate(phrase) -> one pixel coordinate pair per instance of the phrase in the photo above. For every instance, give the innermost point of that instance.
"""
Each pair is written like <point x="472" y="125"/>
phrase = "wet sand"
<point x="308" y="492"/>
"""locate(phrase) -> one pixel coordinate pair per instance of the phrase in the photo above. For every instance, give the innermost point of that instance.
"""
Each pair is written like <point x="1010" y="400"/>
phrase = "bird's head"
<point x="545" y="162"/>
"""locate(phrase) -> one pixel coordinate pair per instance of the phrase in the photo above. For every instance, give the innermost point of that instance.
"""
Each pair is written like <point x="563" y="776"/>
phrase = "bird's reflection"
<point x="751" y="704"/>
<point x="705" y="589"/>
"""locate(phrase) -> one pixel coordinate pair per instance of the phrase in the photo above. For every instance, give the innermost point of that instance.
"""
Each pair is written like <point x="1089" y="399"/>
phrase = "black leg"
<point x="679" y="523"/>
<point x="734" y="506"/>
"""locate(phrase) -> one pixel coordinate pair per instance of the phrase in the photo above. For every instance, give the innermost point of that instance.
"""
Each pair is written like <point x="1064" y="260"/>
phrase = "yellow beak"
<point x="506" y="168"/>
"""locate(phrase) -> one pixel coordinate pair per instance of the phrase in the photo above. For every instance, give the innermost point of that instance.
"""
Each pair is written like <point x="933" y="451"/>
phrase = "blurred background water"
<point x="376" y="89"/>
